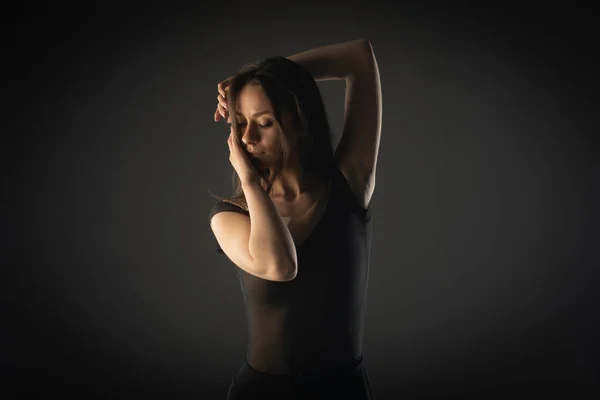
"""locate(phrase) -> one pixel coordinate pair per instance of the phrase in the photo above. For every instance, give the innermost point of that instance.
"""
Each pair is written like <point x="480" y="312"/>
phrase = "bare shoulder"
<point x="360" y="181"/>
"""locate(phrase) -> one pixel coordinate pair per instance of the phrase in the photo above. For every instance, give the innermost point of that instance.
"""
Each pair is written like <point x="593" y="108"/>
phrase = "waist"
<point x="315" y="371"/>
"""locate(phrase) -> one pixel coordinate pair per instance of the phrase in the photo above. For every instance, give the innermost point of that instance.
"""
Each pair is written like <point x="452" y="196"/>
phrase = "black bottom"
<point x="249" y="383"/>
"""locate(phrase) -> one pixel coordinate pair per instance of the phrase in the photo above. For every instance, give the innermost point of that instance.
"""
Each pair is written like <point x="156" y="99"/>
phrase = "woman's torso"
<point x="313" y="322"/>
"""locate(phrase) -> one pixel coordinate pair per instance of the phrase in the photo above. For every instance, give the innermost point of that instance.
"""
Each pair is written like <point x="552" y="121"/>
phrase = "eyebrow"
<point x="255" y="114"/>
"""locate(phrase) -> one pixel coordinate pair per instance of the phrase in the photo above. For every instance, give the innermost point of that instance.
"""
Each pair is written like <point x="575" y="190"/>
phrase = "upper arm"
<point x="232" y="231"/>
<point x="357" y="151"/>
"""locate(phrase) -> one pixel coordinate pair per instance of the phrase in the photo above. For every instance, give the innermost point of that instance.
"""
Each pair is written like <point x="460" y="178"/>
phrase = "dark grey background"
<point x="482" y="256"/>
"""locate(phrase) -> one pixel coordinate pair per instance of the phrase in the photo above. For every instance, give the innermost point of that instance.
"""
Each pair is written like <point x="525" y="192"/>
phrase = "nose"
<point x="249" y="135"/>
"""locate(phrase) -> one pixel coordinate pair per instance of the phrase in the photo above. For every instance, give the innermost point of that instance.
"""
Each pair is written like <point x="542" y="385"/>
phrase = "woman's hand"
<point x="222" y="109"/>
<point x="237" y="156"/>
<point x="240" y="161"/>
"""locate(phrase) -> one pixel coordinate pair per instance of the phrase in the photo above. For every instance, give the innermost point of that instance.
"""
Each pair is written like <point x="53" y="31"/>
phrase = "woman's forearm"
<point x="334" y="61"/>
<point x="271" y="243"/>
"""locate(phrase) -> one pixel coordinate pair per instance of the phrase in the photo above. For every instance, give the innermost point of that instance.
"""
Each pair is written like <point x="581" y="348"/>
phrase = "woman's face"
<point x="260" y="132"/>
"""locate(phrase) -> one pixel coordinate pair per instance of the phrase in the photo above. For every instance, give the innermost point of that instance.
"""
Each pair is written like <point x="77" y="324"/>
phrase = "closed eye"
<point x="270" y="123"/>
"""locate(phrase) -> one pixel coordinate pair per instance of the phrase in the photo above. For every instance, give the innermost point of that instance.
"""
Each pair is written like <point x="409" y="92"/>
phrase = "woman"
<point x="298" y="224"/>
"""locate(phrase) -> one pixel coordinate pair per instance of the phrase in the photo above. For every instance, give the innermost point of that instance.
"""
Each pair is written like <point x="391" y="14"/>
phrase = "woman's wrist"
<point x="334" y="61"/>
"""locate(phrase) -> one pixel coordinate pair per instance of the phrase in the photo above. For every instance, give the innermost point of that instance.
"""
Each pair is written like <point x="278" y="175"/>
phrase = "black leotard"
<point x="314" y="322"/>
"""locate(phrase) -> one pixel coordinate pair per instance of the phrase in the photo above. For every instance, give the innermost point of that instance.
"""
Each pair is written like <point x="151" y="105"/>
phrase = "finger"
<point x="217" y="115"/>
<point x="222" y="101"/>
<point x="221" y="89"/>
<point x="222" y="111"/>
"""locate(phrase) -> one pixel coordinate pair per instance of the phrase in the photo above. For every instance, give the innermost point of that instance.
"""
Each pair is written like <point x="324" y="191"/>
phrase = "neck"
<point x="293" y="182"/>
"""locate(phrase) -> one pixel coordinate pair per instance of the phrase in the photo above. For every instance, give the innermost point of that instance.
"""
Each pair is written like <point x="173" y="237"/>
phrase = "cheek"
<point x="273" y="141"/>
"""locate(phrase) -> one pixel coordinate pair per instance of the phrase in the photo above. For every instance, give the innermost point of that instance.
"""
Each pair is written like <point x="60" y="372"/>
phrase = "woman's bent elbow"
<point x="283" y="273"/>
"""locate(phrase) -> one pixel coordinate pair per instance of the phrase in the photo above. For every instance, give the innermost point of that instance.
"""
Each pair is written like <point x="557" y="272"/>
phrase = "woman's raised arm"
<point x="358" y="148"/>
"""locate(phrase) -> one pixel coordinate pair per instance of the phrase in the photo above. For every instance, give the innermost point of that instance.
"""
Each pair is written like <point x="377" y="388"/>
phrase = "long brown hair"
<point x="290" y="88"/>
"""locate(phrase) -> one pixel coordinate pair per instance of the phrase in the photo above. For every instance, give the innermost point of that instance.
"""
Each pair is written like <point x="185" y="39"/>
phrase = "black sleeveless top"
<point x="314" y="322"/>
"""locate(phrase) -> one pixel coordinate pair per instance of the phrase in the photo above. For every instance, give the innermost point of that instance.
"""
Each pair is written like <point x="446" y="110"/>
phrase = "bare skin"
<point x="300" y="199"/>
<point x="302" y="214"/>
